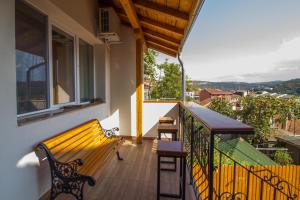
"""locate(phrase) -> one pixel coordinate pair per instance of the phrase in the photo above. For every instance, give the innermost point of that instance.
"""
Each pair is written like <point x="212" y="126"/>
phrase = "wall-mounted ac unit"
<point x="109" y="25"/>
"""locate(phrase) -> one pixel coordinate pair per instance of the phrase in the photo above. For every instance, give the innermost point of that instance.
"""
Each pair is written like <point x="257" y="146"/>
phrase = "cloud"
<point x="277" y="74"/>
<point x="281" y="64"/>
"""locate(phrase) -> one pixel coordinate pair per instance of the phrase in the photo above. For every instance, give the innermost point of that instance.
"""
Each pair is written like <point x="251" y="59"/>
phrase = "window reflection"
<point x="86" y="71"/>
<point x="63" y="67"/>
<point x="31" y="59"/>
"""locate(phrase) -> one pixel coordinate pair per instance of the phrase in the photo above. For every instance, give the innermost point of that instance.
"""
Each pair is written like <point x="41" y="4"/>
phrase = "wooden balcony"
<point x="215" y="175"/>
<point x="132" y="178"/>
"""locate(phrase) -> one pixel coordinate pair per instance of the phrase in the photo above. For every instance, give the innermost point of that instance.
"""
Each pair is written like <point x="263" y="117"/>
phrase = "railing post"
<point x="180" y="122"/>
<point x="211" y="166"/>
<point x="183" y="124"/>
<point x="192" y="149"/>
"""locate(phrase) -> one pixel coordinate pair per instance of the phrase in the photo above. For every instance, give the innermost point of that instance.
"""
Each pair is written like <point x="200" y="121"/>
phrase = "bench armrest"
<point x="110" y="132"/>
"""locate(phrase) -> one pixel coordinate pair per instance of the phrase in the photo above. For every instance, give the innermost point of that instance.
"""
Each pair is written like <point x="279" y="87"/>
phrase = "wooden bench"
<point x="75" y="156"/>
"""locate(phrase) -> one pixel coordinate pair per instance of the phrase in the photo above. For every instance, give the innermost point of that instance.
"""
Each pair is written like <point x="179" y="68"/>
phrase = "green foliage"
<point x="222" y="106"/>
<point x="150" y="64"/>
<point x="164" y="79"/>
<point x="170" y="83"/>
<point x="283" y="157"/>
<point x="260" y="112"/>
<point x="150" y="69"/>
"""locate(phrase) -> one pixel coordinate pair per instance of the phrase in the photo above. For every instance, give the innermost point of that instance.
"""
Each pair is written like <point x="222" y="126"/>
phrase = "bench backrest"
<point x="73" y="143"/>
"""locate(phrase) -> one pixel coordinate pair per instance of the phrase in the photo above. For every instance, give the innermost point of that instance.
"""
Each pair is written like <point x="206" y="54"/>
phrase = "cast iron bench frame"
<point x="65" y="176"/>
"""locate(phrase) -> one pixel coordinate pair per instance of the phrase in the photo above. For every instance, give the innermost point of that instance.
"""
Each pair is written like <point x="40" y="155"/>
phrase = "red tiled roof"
<point x="218" y="92"/>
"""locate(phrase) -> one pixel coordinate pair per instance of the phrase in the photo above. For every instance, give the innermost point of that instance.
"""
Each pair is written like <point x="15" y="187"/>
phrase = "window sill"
<point x="53" y="113"/>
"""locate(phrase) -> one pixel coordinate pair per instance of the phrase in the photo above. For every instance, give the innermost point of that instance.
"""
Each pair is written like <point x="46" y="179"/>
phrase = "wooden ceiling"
<point x="162" y="24"/>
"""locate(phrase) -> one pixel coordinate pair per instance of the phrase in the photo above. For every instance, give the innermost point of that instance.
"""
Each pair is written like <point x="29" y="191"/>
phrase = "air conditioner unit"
<point x="109" y="25"/>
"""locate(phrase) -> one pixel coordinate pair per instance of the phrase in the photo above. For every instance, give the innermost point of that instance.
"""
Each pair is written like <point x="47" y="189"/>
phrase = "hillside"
<point x="284" y="87"/>
<point x="288" y="87"/>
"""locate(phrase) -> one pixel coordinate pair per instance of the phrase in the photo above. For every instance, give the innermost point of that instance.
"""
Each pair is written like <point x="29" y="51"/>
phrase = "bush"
<point x="283" y="157"/>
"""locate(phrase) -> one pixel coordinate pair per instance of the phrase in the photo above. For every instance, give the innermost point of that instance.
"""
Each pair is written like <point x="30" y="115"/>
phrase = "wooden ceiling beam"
<point x="162" y="43"/>
<point x="133" y="19"/>
<point x="148" y="22"/>
<point x="161" y="49"/>
<point x="131" y="14"/>
<point x="147" y="5"/>
<point x="166" y="27"/>
<point x="161" y="36"/>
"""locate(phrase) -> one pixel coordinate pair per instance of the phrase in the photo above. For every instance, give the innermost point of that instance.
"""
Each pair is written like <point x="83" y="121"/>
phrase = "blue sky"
<point x="243" y="40"/>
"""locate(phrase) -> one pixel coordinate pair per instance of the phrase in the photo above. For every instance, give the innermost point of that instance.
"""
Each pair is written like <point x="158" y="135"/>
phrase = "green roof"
<point x="292" y="140"/>
<point x="244" y="153"/>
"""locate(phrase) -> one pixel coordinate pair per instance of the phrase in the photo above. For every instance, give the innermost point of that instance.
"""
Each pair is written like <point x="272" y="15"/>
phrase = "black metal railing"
<point x="216" y="175"/>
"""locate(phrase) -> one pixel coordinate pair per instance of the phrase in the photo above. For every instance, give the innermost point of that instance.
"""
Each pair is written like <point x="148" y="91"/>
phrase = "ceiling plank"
<point x="162" y="43"/>
<point x="149" y="36"/>
<point x="166" y="27"/>
<point x="162" y="49"/>
<point x="160" y="36"/>
<point x="162" y="10"/>
<point x="159" y="25"/>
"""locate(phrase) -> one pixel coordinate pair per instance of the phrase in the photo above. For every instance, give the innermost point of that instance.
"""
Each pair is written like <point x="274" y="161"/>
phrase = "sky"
<point x="245" y="41"/>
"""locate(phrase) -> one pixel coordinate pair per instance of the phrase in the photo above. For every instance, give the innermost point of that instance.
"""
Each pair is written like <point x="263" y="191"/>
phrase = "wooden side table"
<point x="173" y="149"/>
<point x="166" y="120"/>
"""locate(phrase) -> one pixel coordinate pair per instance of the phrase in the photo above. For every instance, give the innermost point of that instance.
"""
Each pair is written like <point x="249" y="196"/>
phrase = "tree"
<point x="150" y="66"/>
<point x="164" y="79"/>
<point x="283" y="157"/>
<point x="168" y="83"/>
<point x="258" y="112"/>
<point x="222" y="106"/>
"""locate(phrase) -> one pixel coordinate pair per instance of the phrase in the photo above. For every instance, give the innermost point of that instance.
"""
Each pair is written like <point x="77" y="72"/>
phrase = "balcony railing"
<point x="216" y="175"/>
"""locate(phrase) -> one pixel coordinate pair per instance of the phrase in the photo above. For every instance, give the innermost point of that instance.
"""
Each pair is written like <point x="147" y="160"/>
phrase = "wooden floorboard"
<point x="134" y="178"/>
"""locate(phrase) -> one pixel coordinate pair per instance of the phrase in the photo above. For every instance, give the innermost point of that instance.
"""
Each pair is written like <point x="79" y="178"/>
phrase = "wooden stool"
<point x="166" y="120"/>
<point x="164" y="128"/>
<point x="173" y="149"/>
<point x="168" y="129"/>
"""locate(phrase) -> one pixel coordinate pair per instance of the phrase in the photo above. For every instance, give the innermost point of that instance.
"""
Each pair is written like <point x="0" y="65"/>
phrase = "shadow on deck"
<point x="134" y="178"/>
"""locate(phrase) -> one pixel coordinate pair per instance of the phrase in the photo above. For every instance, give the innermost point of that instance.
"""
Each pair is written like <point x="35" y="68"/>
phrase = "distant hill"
<point x="283" y="87"/>
<point x="288" y="87"/>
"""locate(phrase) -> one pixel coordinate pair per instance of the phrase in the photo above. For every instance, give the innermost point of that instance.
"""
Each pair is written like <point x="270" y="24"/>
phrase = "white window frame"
<point x="63" y="29"/>
<point x="49" y="48"/>
<point x="52" y="106"/>
<point x="78" y="70"/>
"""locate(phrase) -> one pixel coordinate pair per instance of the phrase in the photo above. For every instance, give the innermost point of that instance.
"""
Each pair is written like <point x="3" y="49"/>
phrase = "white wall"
<point x="151" y="114"/>
<point x="123" y="81"/>
<point x="20" y="177"/>
<point x="83" y="11"/>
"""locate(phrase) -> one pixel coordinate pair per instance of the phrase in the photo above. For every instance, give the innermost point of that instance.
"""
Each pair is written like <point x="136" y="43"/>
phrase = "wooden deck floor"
<point x="134" y="178"/>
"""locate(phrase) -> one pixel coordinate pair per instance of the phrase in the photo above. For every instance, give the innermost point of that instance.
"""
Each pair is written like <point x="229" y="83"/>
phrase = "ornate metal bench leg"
<point x="74" y="188"/>
<point x="118" y="155"/>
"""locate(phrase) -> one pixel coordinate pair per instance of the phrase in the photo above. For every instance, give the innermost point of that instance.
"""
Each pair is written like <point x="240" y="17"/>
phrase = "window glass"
<point x="63" y="67"/>
<point x="31" y="59"/>
<point x="86" y="71"/>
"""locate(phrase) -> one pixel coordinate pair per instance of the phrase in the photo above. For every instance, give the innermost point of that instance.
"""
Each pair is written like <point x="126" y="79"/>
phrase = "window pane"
<point x="86" y="71"/>
<point x="63" y="67"/>
<point x="31" y="59"/>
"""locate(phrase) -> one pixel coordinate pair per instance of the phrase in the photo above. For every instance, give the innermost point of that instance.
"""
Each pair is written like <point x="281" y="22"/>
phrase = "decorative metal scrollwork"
<point x="276" y="182"/>
<point x="111" y="132"/>
<point x="237" y="195"/>
<point x="65" y="176"/>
